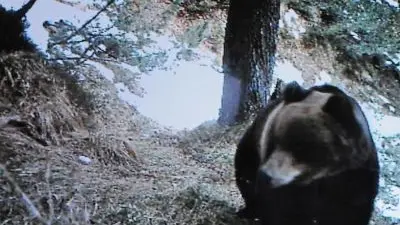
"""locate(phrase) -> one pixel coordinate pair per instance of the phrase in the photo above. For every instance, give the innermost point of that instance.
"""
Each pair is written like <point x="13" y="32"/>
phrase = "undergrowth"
<point x="43" y="129"/>
<point x="356" y="27"/>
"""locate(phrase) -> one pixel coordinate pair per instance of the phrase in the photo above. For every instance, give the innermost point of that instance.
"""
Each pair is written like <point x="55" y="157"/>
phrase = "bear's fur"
<point x="308" y="158"/>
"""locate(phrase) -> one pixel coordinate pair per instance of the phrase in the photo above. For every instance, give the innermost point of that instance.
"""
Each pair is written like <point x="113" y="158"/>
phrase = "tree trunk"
<point x="249" y="56"/>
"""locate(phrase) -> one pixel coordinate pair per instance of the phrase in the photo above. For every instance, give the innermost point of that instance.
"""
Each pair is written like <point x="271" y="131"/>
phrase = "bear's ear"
<point x="293" y="92"/>
<point x="341" y="109"/>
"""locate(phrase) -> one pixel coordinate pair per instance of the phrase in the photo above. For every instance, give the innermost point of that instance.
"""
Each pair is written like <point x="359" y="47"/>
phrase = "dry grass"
<point x="36" y="113"/>
<point x="38" y="97"/>
<point x="139" y="173"/>
<point x="42" y="130"/>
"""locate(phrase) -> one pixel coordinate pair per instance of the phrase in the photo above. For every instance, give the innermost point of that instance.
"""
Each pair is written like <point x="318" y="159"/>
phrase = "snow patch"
<point x="183" y="94"/>
<point x="393" y="3"/>
<point x="291" y="21"/>
<point x="180" y="94"/>
<point x="381" y="125"/>
<point x="389" y="126"/>
<point x="355" y="35"/>
<point x="288" y="73"/>
<point x="396" y="60"/>
<point x="393" y="59"/>
<point x="182" y="98"/>
<point x="323" y="78"/>
<point x="125" y="95"/>
<point x="370" y="115"/>
<point x="384" y="99"/>
<point x="107" y="73"/>
<point x="389" y="210"/>
<point x="133" y="69"/>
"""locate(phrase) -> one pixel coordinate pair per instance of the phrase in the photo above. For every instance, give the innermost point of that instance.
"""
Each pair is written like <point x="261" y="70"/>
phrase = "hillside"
<point x="127" y="135"/>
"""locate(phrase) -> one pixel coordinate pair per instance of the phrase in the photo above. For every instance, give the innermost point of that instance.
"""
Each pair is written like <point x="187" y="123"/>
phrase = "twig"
<point x="85" y="24"/>
<point x="33" y="211"/>
<point x="49" y="197"/>
<point x="80" y="58"/>
<point x="4" y="120"/>
<point x="84" y="59"/>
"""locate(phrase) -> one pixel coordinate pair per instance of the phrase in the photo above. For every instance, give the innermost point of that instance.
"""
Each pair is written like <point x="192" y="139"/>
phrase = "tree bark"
<point x="249" y="56"/>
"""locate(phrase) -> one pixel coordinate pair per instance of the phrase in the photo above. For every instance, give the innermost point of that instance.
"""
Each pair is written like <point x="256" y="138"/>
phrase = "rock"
<point x="84" y="160"/>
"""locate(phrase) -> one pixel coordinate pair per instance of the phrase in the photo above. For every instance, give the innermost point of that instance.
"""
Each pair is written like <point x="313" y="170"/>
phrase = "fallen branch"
<point x="80" y="58"/>
<point x="49" y="194"/>
<point x="30" y="207"/>
<point x="4" y="120"/>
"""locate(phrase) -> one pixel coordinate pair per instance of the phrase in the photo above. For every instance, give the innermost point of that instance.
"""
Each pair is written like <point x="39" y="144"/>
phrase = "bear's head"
<point x="313" y="133"/>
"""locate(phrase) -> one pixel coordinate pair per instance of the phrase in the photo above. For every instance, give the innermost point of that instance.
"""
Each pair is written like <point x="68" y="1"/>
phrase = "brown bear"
<point x="308" y="158"/>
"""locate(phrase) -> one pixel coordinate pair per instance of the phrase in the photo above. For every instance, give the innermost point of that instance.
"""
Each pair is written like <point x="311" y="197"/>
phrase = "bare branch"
<point x="33" y="211"/>
<point x="24" y="9"/>
<point x="85" y="24"/>
<point x="49" y="194"/>
<point x="80" y="58"/>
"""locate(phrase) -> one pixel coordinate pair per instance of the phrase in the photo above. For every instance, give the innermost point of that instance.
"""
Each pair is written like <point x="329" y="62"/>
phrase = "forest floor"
<point x="113" y="165"/>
